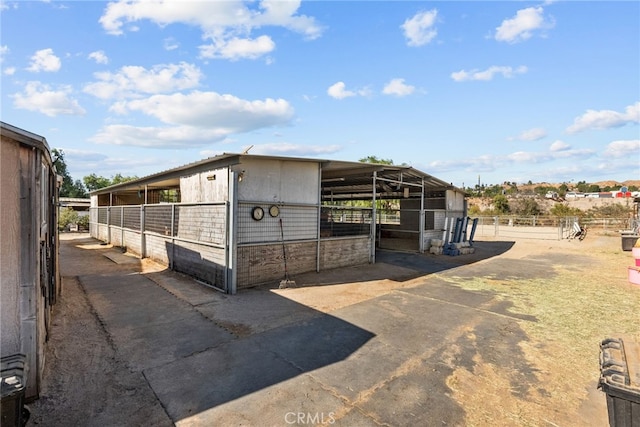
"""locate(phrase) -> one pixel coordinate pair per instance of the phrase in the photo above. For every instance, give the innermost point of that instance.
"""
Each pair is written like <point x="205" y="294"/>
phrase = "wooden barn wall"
<point x="132" y="241"/>
<point x="205" y="263"/>
<point x="29" y="268"/>
<point x="279" y="181"/>
<point x="260" y="264"/>
<point x="335" y="253"/>
<point x="455" y="201"/>
<point x="10" y="244"/>
<point x="210" y="186"/>
<point x="156" y="248"/>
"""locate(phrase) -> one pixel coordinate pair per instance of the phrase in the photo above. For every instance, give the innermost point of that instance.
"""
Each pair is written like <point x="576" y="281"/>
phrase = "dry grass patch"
<point x="575" y="309"/>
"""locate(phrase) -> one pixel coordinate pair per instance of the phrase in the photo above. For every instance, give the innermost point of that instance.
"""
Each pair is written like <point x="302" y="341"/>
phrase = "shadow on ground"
<point x="256" y="357"/>
<point x="399" y="266"/>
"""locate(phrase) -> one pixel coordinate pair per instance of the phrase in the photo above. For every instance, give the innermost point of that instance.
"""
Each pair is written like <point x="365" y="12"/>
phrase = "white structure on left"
<point x="29" y="280"/>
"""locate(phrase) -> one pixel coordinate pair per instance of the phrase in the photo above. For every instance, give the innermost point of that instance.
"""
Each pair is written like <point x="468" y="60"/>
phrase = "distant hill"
<point x="601" y="184"/>
<point x="626" y="183"/>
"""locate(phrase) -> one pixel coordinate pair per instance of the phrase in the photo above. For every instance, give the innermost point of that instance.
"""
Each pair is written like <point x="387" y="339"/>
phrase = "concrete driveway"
<point x="362" y="346"/>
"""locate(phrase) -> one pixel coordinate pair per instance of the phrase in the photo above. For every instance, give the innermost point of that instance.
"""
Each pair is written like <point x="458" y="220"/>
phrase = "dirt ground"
<point x="565" y="295"/>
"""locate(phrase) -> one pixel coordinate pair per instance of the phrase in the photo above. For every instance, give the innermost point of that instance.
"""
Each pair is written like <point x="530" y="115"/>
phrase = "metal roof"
<point x="340" y="179"/>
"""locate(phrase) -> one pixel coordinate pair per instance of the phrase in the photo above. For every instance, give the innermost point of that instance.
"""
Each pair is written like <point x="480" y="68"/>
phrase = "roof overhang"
<point x="340" y="179"/>
<point x="27" y="138"/>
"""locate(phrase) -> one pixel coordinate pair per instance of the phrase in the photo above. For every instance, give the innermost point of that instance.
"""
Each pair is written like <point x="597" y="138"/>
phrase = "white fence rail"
<point x="543" y="227"/>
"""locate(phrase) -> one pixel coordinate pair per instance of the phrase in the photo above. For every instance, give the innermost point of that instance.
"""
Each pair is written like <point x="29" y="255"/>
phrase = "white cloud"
<point x="285" y="148"/>
<point x="605" y="119"/>
<point x="158" y="137"/>
<point x="194" y="119"/>
<point x="623" y="149"/>
<point x="522" y="25"/>
<point x="487" y="74"/>
<point x="529" y="157"/>
<point x="43" y="99"/>
<point x="338" y="91"/>
<point x="559" y="146"/>
<point x="99" y="56"/>
<point x="88" y="163"/>
<point x="210" y="109"/>
<point x="419" y="30"/>
<point x="133" y="81"/>
<point x="228" y="25"/>
<point x="8" y="71"/>
<point x="238" y="48"/>
<point x="534" y="134"/>
<point x="44" y="60"/>
<point x="170" y="44"/>
<point x="398" y="87"/>
<point x="82" y="155"/>
<point x="491" y="163"/>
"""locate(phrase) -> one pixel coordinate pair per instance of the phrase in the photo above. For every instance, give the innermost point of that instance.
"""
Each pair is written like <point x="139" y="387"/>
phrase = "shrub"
<point x="67" y="216"/>
<point x="83" y="222"/>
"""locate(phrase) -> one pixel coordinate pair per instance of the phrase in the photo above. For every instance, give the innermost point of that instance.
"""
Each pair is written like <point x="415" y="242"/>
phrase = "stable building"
<point x="30" y="281"/>
<point x="231" y="221"/>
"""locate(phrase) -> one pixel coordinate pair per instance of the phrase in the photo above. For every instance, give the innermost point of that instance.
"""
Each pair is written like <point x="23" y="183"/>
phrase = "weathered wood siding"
<point x="29" y="262"/>
<point x="259" y="264"/>
<point x="279" y="181"/>
<point x="335" y="253"/>
<point x="10" y="243"/>
<point x="205" y="263"/>
<point x="455" y="201"/>
<point x="210" y="186"/>
<point x="156" y="248"/>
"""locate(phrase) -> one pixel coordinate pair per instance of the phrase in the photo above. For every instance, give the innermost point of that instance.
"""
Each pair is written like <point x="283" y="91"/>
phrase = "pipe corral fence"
<point x="194" y="238"/>
<point x="543" y="227"/>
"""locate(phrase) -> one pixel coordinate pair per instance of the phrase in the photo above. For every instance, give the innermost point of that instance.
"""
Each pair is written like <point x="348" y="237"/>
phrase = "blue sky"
<point x="504" y="91"/>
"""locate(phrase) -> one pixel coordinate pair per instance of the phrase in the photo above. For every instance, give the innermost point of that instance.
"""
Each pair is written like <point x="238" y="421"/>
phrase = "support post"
<point x="109" y="224"/>
<point x="372" y="256"/>
<point x="318" y="246"/>
<point x="231" y="287"/>
<point x="143" y="237"/>
<point x="421" y="219"/>
<point x="173" y="241"/>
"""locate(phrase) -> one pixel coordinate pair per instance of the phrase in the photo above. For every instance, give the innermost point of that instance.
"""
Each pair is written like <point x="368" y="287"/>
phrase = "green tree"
<point x="562" y="189"/>
<point x="562" y="210"/>
<point x="501" y="204"/>
<point x="119" y="178"/>
<point x="69" y="188"/>
<point x="94" y="182"/>
<point x="582" y="187"/>
<point x="374" y="159"/>
<point x="474" y="210"/>
<point x="527" y="207"/>
<point x="614" y="210"/>
<point x="492" y="191"/>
